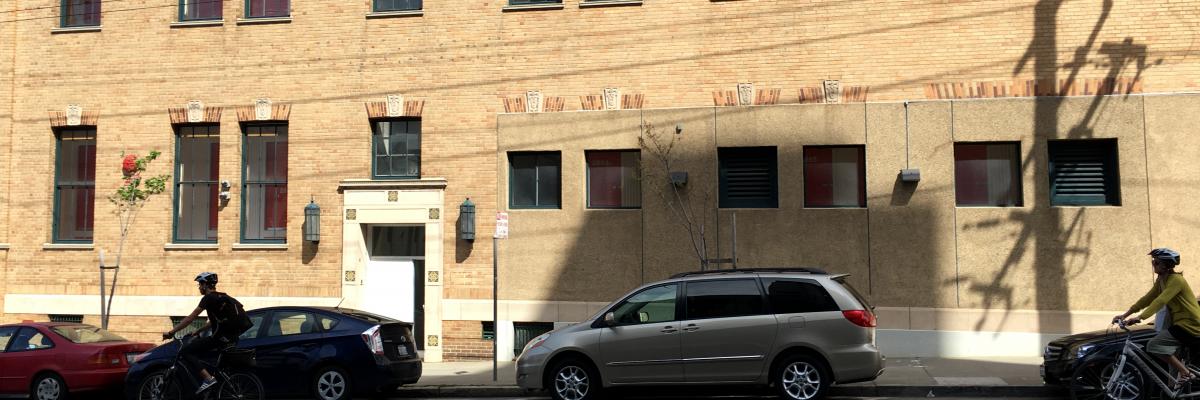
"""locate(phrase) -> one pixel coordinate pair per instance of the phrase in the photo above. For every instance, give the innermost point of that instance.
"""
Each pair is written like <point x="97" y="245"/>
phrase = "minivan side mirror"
<point x="610" y="319"/>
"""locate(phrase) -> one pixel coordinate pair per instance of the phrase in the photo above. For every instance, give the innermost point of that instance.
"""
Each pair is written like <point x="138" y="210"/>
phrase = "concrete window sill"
<point x="609" y="3"/>
<point x="68" y="246"/>
<point x="533" y="7"/>
<point x="4" y="246"/>
<point x="260" y="246"/>
<point x="266" y="20"/>
<point x="396" y="14"/>
<point x="77" y="29"/>
<point x="191" y="246"/>
<point x="197" y="24"/>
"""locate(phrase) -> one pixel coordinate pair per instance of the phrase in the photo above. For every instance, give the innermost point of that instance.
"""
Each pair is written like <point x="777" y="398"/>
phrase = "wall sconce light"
<point x="312" y="222"/>
<point x="466" y="220"/>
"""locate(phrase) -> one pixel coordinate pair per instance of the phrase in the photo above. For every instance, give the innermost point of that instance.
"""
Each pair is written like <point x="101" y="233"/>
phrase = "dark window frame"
<point x="248" y="9"/>
<point x="59" y="187"/>
<point x="726" y="155"/>
<point x="539" y="156"/>
<point x="179" y="182"/>
<point x="375" y="139"/>
<point x="246" y="182"/>
<point x="588" y="179"/>
<point x="862" y="175"/>
<point x="183" y="11"/>
<point x="376" y="6"/>
<point x="1111" y="178"/>
<point x="1019" y="196"/>
<point x="65" y="18"/>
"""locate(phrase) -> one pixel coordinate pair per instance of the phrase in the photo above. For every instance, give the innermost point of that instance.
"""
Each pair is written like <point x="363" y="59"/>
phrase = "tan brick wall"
<point x="463" y="58"/>
<point x="463" y="340"/>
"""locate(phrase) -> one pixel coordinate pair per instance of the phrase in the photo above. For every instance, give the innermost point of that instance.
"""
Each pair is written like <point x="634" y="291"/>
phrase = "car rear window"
<point x="86" y="334"/>
<point x="790" y="296"/>
<point x="369" y="317"/>
<point x="858" y="296"/>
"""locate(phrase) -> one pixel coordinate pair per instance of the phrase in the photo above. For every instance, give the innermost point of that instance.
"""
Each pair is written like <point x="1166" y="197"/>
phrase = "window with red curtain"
<point x="987" y="174"/>
<point x="612" y="178"/>
<point x="275" y="216"/>
<point x="268" y="8"/>
<point x="75" y="185"/>
<point x="835" y="176"/>
<point x="264" y="182"/>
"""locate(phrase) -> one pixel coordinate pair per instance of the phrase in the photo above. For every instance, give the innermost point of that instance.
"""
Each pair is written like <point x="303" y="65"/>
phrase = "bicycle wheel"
<point x="240" y="386"/>
<point x="1089" y="380"/>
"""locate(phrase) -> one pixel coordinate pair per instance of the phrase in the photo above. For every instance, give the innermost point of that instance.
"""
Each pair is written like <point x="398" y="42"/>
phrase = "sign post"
<point x="501" y="233"/>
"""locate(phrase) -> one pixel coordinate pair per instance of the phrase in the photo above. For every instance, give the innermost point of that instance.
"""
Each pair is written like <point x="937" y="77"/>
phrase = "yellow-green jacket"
<point x="1173" y="292"/>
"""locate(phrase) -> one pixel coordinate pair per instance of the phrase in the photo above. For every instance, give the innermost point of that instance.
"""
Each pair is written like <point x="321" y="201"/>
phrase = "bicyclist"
<point x="1172" y="291"/>
<point x="223" y="311"/>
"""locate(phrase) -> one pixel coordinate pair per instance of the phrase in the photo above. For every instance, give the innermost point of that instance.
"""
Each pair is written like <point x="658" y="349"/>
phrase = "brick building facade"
<point x="328" y="62"/>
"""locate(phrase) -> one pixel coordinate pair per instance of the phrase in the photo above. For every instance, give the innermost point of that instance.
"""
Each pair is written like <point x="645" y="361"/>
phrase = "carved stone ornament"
<point x="395" y="105"/>
<point x="745" y="93"/>
<point x="432" y="341"/>
<point x="393" y="196"/>
<point x="195" y="111"/>
<point x="351" y="276"/>
<point x="434" y="276"/>
<point x="833" y="91"/>
<point x="74" y="115"/>
<point x="262" y="109"/>
<point x="612" y="98"/>
<point x="351" y="214"/>
<point x="533" y="101"/>
<point x="435" y="213"/>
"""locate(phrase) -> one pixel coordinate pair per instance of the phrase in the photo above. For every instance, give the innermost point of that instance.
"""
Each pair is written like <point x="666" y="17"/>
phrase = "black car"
<point x="320" y="352"/>
<point x="1064" y="355"/>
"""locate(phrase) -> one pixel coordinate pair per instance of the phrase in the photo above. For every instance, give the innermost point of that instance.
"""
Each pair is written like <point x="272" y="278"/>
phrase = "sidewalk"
<point x="903" y="377"/>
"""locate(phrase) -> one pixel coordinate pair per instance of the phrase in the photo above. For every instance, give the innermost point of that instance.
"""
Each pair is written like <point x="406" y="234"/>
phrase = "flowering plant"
<point x="129" y="198"/>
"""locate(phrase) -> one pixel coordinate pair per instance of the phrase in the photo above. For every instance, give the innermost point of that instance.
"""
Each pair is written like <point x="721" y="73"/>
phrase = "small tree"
<point x="689" y="203"/>
<point x="129" y="198"/>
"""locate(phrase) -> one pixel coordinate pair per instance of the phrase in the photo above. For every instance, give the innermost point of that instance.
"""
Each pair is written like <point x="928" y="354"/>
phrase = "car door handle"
<point x="691" y="328"/>
<point x="669" y="329"/>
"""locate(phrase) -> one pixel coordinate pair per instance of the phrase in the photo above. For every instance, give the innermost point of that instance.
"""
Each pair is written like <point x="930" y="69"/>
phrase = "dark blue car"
<point x="320" y="352"/>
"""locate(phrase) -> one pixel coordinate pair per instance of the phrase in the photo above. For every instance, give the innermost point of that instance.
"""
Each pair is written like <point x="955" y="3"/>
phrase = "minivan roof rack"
<point x="814" y="271"/>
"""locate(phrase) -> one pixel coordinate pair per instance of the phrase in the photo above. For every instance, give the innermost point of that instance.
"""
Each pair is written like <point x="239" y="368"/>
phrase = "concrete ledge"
<point x="4" y="246"/>
<point x="265" y="20"/>
<point x="68" y="246"/>
<point x="191" y="246"/>
<point x="197" y="24"/>
<point x="260" y="246"/>
<point x="533" y="7"/>
<point x="609" y="3"/>
<point x="76" y="29"/>
<point x="396" y="14"/>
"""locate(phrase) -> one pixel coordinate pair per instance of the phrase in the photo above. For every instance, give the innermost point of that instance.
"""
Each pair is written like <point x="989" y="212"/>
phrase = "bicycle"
<point x="178" y="382"/>
<point x="1124" y="378"/>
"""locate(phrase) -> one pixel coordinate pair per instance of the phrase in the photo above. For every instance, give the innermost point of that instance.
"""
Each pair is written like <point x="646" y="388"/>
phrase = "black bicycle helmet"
<point x="1166" y="255"/>
<point x="208" y="278"/>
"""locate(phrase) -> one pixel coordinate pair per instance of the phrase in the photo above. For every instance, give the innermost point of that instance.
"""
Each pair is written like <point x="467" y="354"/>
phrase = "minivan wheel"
<point x="574" y="379"/>
<point x="331" y="383"/>
<point x="801" y="377"/>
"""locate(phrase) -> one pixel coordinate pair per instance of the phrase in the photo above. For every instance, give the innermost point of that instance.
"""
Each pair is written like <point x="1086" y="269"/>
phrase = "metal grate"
<point x="523" y="332"/>
<point x="71" y="318"/>
<point x="748" y="177"/>
<point x="1084" y="172"/>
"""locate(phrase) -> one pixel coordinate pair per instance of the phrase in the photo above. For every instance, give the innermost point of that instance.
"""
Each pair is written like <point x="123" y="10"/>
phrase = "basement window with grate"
<point x="192" y="328"/>
<point x="748" y="177"/>
<point x="71" y="318"/>
<point x="1084" y="173"/>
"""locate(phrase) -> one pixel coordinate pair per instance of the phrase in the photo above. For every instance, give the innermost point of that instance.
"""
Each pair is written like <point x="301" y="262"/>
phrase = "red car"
<point x="46" y="360"/>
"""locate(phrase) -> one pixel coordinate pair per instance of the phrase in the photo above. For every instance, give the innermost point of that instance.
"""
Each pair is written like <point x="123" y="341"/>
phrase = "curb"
<point x="845" y="391"/>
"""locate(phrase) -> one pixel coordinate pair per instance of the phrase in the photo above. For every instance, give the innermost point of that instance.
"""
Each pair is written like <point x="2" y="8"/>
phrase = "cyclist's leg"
<point x="192" y="352"/>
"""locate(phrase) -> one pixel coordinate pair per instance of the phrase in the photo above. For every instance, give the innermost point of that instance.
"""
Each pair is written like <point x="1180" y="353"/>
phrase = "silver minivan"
<point x="796" y="329"/>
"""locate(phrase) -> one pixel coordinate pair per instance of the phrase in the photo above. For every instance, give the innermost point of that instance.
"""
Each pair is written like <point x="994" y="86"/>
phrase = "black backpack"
<point x="232" y="318"/>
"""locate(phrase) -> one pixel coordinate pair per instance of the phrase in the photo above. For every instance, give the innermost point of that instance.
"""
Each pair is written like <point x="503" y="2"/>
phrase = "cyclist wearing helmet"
<point x="219" y="307"/>
<point x="1172" y="291"/>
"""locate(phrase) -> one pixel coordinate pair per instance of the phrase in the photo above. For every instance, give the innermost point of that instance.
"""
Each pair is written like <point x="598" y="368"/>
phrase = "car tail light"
<point x="863" y="318"/>
<point x="104" y="358"/>
<point x="373" y="340"/>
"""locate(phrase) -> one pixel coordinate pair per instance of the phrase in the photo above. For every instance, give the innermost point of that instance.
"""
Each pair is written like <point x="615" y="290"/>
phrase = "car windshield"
<point x="83" y="334"/>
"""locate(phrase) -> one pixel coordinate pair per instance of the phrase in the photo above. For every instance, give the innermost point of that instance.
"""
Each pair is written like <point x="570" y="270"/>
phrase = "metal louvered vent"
<point x="71" y="318"/>
<point x="748" y="177"/>
<point x="1084" y="172"/>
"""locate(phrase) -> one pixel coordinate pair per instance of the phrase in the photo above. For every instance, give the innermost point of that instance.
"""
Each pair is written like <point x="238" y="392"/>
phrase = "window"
<point x="77" y="13"/>
<point x="723" y="299"/>
<point x="264" y="183"/>
<point x="327" y="323"/>
<point x="256" y="321"/>
<point x="84" y="334"/>
<point x="489" y="330"/>
<point x="748" y="177"/>
<point x="6" y="335"/>
<point x="1084" y="173"/>
<point x="534" y="180"/>
<point x="653" y="305"/>
<point x="835" y="176"/>
<point x="200" y="10"/>
<point x="30" y="339"/>
<point x="528" y="2"/>
<point x="267" y="8"/>
<point x="987" y="174"/>
<point x="396" y="145"/>
<point x="197" y="155"/>
<point x="285" y="323"/>
<point x="193" y="327"/>
<point x="397" y="5"/>
<point x="396" y="241"/>
<point x="613" y="180"/>
<point x="74" y="319"/>
<point x="798" y="296"/>
<point x="75" y="185"/>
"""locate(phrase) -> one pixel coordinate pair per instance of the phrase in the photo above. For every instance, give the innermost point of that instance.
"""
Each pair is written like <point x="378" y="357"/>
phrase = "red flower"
<point x="129" y="165"/>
